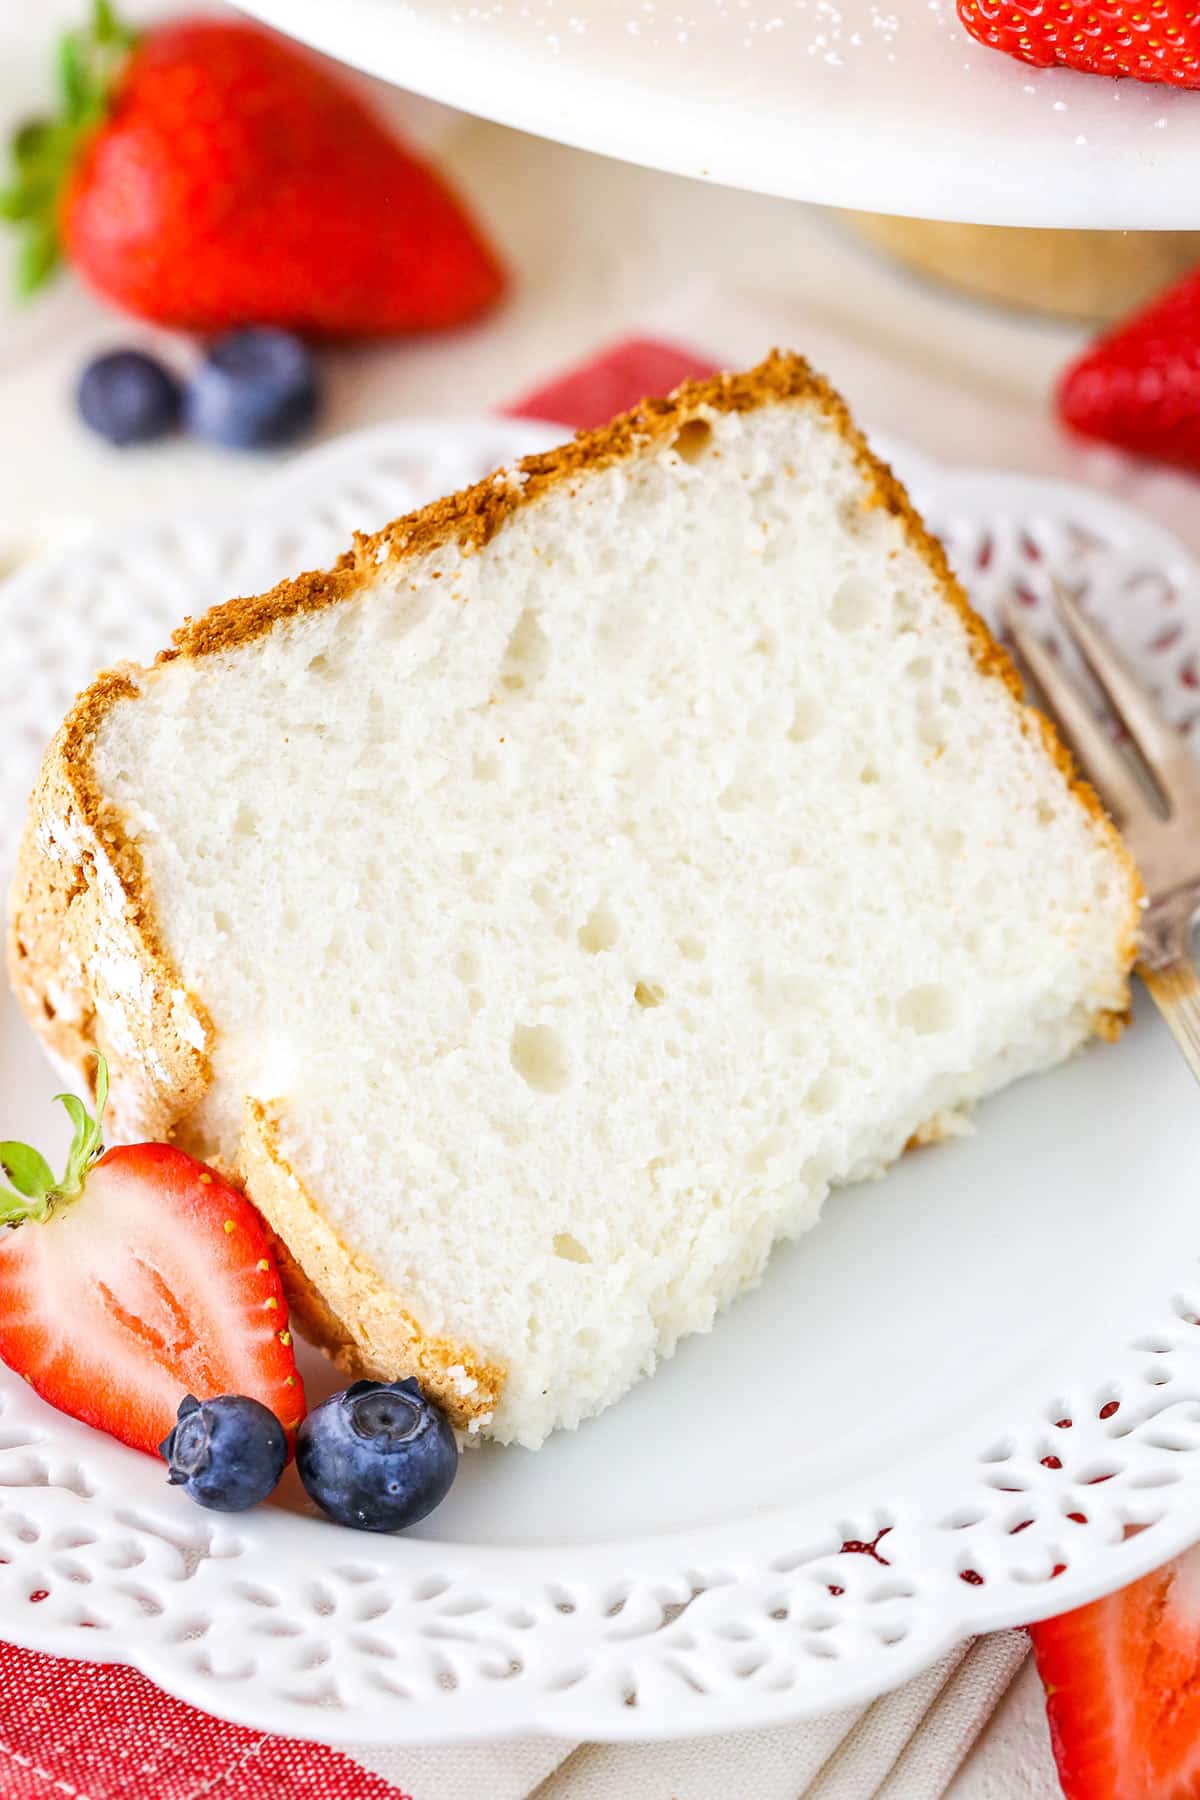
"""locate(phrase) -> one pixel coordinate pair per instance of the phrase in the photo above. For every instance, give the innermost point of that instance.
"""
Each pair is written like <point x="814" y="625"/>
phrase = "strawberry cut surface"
<point x="1138" y="387"/>
<point x="154" y="1282"/>
<point x="1122" y="1680"/>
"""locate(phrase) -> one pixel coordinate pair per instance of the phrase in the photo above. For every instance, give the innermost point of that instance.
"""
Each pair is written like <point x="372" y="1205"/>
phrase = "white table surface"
<point x="598" y="249"/>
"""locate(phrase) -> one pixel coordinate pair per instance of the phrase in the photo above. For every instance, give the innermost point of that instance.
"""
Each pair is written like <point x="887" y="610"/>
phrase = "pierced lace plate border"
<point x="793" y="1612"/>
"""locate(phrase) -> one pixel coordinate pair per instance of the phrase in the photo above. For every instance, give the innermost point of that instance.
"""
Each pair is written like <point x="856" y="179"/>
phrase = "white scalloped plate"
<point x="970" y="1399"/>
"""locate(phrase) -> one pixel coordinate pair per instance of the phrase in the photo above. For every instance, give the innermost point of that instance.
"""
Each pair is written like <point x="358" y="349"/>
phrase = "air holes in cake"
<point x="951" y="841"/>
<point x="808" y="716"/>
<point x="318" y="665"/>
<point x="570" y="1248"/>
<point x="824" y="1093"/>
<point x="920" y="668"/>
<point x="857" y="516"/>
<point x="526" y="654"/>
<point x="540" y="1058"/>
<point x="222" y="922"/>
<point x="1046" y="814"/>
<point x="928" y="1008"/>
<point x="951" y="698"/>
<point x="648" y="993"/>
<point x="466" y="966"/>
<point x="692" y="440"/>
<point x="768" y="1151"/>
<point x="486" y="768"/>
<point x="691" y="948"/>
<point x="600" y="930"/>
<point x="404" y="614"/>
<point x="855" y="603"/>
<point x="868" y="775"/>
<point x="245" y="821"/>
<point x="750" y="786"/>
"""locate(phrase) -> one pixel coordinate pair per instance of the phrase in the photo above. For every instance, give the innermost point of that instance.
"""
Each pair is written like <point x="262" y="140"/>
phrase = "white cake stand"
<point x="882" y="105"/>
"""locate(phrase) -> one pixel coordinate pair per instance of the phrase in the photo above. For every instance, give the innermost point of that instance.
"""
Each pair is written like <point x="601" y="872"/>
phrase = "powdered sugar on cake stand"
<point x="883" y="105"/>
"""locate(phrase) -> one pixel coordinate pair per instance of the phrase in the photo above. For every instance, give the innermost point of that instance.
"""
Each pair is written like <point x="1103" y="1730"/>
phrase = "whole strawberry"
<point x="1139" y="386"/>
<point x="1149" y="40"/>
<point x="209" y="175"/>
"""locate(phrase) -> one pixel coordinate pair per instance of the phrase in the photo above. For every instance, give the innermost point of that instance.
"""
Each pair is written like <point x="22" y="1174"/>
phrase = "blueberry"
<point x="379" y="1457"/>
<point x="127" y="397"/>
<point x="227" y="1453"/>
<point x="252" y="389"/>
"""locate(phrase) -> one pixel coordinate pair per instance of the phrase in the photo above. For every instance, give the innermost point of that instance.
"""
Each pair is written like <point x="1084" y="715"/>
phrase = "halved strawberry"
<point x="1122" y="1680"/>
<point x="139" y="1278"/>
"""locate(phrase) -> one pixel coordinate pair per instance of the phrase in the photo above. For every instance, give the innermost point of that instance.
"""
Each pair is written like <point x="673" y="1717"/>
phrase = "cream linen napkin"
<point x="906" y="1746"/>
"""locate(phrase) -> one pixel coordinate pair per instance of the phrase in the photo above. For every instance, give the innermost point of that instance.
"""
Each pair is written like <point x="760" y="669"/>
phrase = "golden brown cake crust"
<point x="80" y="890"/>
<point x="340" y="1302"/>
<point x="85" y="956"/>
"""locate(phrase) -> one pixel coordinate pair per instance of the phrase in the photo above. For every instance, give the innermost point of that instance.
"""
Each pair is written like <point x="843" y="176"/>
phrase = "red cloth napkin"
<point x="104" y="1733"/>
<point x="84" y="1732"/>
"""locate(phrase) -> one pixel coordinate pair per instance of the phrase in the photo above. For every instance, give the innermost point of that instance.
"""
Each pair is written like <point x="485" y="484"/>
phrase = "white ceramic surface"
<point x="885" y="105"/>
<point x="942" y="1412"/>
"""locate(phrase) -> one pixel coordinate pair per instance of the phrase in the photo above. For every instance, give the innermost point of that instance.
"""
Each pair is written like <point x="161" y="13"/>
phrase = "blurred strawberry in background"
<point x="1138" y="386"/>
<point x="207" y="174"/>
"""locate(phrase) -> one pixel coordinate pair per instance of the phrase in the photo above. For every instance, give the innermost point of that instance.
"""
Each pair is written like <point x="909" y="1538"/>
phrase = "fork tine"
<point x="1103" y="762"/>
<point x="1167" y="756"/>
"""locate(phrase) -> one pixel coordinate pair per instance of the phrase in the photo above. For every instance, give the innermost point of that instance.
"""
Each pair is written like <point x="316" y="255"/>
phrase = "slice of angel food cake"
<point x="543" y="909"/>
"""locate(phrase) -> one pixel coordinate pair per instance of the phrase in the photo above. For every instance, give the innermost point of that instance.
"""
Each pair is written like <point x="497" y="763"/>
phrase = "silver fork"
<point x="1165" y="848"/>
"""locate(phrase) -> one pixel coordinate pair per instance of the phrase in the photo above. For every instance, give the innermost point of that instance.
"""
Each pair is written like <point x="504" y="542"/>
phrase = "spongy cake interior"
<point x="592" y="903"/>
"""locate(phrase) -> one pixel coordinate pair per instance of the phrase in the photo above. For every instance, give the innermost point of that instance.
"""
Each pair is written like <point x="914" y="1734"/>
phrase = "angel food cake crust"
<point x="88" y="961"/>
